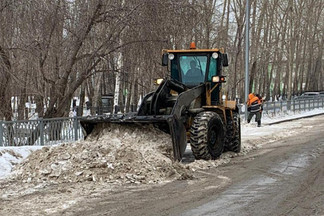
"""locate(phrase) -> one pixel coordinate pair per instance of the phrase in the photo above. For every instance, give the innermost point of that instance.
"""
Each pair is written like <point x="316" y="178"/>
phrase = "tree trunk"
<point x="5" y="94"/>
<point x="82" y="95"/>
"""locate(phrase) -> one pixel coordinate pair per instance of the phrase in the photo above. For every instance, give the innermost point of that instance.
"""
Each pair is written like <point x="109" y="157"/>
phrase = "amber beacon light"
<point x="192" y="45"/>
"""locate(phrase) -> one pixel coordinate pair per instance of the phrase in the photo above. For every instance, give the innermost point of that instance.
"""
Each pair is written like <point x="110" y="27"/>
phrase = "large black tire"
<point x="233" y="134"/>
<point x="207" y="136"/>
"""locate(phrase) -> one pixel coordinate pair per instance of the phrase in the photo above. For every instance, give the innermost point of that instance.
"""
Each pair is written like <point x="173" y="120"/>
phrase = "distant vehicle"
<point x="321" y="94"/>
<point x="309" y="95"/>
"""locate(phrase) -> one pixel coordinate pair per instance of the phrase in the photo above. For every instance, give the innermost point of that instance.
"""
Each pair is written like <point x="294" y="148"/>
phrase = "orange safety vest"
<point x="254" y="103"/>
<point x="252" y="99"/>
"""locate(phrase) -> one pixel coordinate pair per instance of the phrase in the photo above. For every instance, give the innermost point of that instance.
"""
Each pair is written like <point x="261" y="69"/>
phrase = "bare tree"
<point x="54" y="50"/>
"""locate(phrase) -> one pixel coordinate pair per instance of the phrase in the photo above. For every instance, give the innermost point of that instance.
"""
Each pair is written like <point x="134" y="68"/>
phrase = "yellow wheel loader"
<point x="188" y="105"/>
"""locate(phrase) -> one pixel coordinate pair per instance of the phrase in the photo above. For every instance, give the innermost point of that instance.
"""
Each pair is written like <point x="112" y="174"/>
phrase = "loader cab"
<point x="190" y="69"/>
<point x="195" y="66"/>
<point x="193" y="69"/>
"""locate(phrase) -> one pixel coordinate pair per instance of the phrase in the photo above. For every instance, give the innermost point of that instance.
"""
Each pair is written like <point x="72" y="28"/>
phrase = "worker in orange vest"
<point x="254" y="104"/>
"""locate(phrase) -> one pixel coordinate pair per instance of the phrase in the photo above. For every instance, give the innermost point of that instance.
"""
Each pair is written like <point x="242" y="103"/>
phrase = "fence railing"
<point x="290" y="105"/>
<point x="59" y="130"/>
<point x="40" y="131"/>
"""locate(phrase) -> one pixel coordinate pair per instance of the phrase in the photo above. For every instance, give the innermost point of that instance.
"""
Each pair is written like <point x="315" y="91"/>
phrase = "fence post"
<point x="1" y="133"/>
<point x="313" y="103"/>
<point x="299" y="108"/>
<point x="309" y="103"/>
<point x="288" y="105"/>
<point x="75" y="126"/>
<point x="41" y="131"/>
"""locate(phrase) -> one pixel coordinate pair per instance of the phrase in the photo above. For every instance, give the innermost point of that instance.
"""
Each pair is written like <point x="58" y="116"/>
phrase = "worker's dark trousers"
<point x="257" y="117"/>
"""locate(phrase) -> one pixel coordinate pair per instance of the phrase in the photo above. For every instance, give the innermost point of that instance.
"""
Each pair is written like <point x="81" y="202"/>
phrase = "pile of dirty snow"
<point x="116" y="154"/>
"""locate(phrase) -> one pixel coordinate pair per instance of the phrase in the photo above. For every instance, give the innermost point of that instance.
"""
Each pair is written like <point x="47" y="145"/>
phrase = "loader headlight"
<point x="158" y="81"/>
<point x="218" y="79"/>
<point x="215" y="79"/>
<point x="171" y="56"/>
<point x="224" y="97"/>
<point x="215" y="55"/>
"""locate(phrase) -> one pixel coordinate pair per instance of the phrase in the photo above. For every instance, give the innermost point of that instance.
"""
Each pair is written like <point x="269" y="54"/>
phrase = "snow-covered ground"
<point x="250" y="130"/>
<point x="10" y="156"/>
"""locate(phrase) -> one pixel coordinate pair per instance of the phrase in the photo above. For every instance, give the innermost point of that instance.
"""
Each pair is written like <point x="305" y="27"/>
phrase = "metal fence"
<point x="60" y="130"/>
<point x="40" y="131"/>
<point x="290" y="105"/>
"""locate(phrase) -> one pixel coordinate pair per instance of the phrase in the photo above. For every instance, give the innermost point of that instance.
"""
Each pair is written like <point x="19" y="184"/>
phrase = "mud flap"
<point x="179" y="137"/>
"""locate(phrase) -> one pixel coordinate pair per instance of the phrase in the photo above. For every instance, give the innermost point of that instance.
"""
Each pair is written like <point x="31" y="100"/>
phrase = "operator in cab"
<point x="194" y="74"/>
<point x="193" y="71"/>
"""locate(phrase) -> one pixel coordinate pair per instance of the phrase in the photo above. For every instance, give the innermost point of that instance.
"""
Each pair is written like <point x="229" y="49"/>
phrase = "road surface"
<point x="283" y="177"/>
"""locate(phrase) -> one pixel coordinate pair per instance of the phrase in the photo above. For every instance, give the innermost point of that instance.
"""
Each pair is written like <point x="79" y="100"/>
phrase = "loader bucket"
<point x="168" y="123"/>
<point x="179" y="138"/>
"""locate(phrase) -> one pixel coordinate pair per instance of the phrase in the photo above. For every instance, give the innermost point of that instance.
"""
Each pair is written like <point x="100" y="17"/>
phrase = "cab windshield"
<point x="193" y="69"/>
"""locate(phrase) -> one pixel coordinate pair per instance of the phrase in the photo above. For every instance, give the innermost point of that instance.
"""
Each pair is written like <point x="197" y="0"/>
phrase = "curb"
<point x="287" y="120"/>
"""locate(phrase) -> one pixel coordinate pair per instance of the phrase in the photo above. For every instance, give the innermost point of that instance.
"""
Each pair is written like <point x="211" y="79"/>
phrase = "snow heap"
<point x="11" y="156"/>
<point x="116" y="154"/>
<point x="127" y="154"/>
